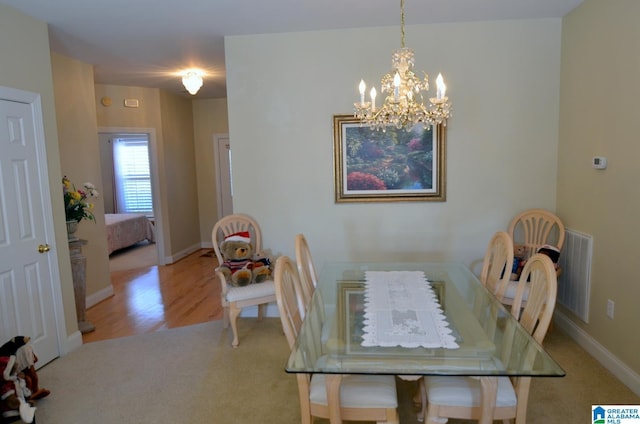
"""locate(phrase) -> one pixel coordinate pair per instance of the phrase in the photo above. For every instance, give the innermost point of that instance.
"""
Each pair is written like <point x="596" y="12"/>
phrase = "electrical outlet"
<point x="610" y="307"/>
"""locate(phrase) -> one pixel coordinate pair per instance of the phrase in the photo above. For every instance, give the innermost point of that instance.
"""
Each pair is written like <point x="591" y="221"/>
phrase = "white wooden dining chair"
<point x="495" y="275"/>
<point x="532" y="229"/>
<point x="497" y="264"/>
<point x="362" y="397"/>
<point x="306" y="267"/>
<point x="234" y="299"/>
<point x="461" y="397"/>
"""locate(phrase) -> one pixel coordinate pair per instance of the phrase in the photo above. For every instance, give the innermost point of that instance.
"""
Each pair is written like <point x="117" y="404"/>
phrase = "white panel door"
<point x="26" y="293"/>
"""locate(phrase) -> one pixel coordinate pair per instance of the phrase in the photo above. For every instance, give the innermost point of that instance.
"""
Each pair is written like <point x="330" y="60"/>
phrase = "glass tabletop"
<point x="490" y="341"/>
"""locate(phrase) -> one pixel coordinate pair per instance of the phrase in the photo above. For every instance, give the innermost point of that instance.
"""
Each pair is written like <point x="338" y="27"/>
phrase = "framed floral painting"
<point x="391" y="166"/>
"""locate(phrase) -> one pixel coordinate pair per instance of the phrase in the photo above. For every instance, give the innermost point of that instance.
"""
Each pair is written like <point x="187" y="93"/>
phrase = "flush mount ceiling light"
<point x="192" y="81"/>
<point x="404" y="105"/>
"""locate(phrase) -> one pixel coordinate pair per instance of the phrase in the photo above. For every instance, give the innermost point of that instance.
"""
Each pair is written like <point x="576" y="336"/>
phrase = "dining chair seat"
<point x="467" y="392"/>
<point x="252" y="291"/>
<point x="512" y="287"/>
<point x="357" y="391"/>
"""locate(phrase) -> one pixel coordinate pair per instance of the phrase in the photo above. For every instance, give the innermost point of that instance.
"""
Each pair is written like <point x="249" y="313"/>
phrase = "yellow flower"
<point x="76" y="206"/>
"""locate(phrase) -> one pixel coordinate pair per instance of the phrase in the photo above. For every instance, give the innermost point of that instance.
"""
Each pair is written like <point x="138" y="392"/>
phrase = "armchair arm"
<point x="224" y="287"/>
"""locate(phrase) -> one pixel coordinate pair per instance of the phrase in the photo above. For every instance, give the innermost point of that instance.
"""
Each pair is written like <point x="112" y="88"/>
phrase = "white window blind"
<point x="132" y="175"/>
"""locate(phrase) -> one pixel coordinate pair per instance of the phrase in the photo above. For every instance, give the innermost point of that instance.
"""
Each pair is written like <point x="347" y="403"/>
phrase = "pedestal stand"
<point x="79" y="272"/>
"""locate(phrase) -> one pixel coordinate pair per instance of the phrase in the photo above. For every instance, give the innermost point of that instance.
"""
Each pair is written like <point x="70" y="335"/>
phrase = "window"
<point x="132" y="175"/>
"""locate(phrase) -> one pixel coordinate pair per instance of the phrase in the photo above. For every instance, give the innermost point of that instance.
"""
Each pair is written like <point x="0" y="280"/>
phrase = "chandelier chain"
<point x="402" y="22"/>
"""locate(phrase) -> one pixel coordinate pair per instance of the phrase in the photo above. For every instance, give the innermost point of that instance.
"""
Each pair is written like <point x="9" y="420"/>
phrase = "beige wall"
<point x="599" y="117"/>
<point x="79" y="157"/>
<point x="26" y="65"/>
<point x="209" y="118"/>
<point x="283" y="89"/>
<point x="180" y="186"/>
<point x="172" y="119"/>
<point x="177" y="121"/>
<point x="146" y="116"/>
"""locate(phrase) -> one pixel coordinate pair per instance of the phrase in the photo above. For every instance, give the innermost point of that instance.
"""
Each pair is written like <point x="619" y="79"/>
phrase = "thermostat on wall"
<point x="599" y="162"/>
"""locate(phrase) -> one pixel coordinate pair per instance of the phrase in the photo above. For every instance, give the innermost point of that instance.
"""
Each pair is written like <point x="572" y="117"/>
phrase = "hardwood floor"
<point x="153" y="298"/>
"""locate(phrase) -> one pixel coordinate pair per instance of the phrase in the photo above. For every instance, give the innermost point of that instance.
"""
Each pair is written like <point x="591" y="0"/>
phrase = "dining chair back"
<point x="233" y="299"/>
<point x="497" y="264"/>
<point x="461" y="397"/>
<point x="534" y="228"/>
<point x="306" y="267"/>
<point x="539" y="277"/>
<point x="289" y="298"/>
<point x="362" y="397"/>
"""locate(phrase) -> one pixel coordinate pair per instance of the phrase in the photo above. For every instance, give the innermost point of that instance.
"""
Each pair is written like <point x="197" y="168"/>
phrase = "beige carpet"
<point x="141" y="255"/>
<point x="192" y="375"/>
<point x="183" y="375"/>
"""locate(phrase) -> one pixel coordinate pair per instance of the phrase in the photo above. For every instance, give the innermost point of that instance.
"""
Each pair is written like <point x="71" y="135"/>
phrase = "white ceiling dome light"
<point x="192" y="80"/>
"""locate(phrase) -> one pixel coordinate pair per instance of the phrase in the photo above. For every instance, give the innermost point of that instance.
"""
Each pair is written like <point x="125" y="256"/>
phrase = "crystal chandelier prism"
<point x="403" y="106"/>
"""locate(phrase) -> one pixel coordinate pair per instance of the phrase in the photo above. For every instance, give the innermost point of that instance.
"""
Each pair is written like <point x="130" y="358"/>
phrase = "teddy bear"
<point x="519" y="259"/>
<point x="240" y="267"/>
<point x="13" y="392"/>
<point x="22" y="349"/>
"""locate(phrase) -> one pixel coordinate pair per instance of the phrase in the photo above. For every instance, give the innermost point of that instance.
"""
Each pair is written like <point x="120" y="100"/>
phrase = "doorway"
<point x="106" y="136"/>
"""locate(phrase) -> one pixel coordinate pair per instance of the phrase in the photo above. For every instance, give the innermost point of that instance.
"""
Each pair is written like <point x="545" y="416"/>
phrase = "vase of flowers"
<point x="76" y="204"/>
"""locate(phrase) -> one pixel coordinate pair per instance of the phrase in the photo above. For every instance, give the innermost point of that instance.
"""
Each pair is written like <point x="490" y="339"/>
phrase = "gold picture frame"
<point x="351" y="316"/>
<point x="390" y="166"/>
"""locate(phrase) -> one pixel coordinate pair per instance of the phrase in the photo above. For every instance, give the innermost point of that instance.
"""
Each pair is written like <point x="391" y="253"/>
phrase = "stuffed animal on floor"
<point x="25" y="362"/>
<point x="13" y="391"/>
<point x="240" y="267"/>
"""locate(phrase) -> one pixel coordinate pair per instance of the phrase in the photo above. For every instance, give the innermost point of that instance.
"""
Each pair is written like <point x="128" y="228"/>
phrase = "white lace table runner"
<point x="401" y="309"/>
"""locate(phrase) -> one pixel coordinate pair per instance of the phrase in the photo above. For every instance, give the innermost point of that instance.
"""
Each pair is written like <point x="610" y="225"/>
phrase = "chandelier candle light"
<point x="403" y="107"/>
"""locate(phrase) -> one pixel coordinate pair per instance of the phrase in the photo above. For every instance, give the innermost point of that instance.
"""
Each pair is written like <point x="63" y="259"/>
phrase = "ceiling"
<point x="147" y="42"/>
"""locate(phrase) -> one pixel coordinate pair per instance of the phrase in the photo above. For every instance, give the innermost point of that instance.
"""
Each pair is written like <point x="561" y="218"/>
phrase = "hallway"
<point x="152" y="298"/>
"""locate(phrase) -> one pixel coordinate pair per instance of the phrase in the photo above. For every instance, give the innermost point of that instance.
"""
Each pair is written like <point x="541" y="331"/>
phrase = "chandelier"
<point x="403" y="107"/>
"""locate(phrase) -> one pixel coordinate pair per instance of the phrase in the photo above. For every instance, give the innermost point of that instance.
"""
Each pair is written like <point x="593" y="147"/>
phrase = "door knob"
<point x="43" y="248"/>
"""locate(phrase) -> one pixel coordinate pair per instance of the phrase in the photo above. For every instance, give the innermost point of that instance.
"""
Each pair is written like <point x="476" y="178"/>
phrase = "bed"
<point x="127" y="229"/>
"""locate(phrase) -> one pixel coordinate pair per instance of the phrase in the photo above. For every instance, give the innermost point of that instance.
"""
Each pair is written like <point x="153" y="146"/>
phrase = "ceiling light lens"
<point x="192" y="81"/>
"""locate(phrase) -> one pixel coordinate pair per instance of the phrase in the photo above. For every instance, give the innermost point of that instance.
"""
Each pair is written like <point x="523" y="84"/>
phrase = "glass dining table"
<point x="479" y="336"/>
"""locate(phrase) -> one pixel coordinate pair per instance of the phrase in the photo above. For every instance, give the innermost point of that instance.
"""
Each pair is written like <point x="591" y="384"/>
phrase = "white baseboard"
<point x="626" y="375"/>
<point x="182" y="254"/>
<point x="206" y="245"/>
<point x="73" y="342"/>
<point x="99" y="296"/>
